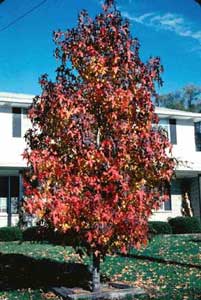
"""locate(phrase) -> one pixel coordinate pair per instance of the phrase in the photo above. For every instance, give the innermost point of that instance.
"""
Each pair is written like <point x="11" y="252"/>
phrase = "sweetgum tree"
<point x="96" y="164"/>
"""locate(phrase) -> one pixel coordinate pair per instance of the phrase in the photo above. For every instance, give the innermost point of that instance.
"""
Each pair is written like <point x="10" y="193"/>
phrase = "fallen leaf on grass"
<point x="49" y="295"/>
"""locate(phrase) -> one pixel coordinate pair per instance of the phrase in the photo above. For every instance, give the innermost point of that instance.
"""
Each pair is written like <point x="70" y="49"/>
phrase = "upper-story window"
<point x="198" y="136"/>
<point x="170" y="126"/>
<point x="19" y="120"/>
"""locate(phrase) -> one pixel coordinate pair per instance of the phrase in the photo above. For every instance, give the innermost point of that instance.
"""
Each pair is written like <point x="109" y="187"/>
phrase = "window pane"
<point x="14" y="193"/>
<point x="4" y="186"/>
<point x="164" y="124"/>
<point x="14" y="186"/>
<point x="14" y="205"/>
<point x="16" y="121"/>
<point x="3" y="205"/>
<point x="173" y="131"/>
<point x="3" y="193"/>
<point x="167" y="204"/>
<point x="167" y="192"/>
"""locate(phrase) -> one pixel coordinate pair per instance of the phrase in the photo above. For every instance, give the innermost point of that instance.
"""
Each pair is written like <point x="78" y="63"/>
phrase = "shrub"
<point x="158" y="227"/>
<point x="10" y="234"/>
<point x="38" y="234"/>
<point x="43" y="233"/>
<point x="185" y="225"/>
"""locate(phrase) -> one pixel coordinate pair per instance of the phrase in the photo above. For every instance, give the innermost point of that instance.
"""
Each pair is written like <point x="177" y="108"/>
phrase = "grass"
<point x="161" y="280"/>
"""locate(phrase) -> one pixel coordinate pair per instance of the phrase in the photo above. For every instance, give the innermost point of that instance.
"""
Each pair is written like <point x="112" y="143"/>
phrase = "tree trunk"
<point x="96" y="273"/>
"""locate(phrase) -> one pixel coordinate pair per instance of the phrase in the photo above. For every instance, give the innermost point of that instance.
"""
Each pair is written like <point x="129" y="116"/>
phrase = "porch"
<point x="10" y="196"/>
<point x="185" y="197"/>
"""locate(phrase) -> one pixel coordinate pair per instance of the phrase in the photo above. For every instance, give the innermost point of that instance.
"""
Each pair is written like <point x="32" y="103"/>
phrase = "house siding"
<point x="176" y="201"/>
<point x="11" y="148"/>
<point x="11" y="161"/>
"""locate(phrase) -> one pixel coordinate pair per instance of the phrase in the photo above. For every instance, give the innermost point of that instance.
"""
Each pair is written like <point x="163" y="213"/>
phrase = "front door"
<point x="9" y="200"/>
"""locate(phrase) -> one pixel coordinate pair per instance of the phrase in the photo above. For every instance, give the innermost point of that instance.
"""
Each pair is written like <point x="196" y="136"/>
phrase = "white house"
<point x="13" y="125"/>
<point x="184" y="131"/>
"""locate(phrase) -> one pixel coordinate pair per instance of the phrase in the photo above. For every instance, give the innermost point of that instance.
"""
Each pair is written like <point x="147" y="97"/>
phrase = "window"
<point x="167" y="205"/>
<point x="163" y="123"/>
<point x="197" y="136"/>
<point x="169" y="126"/>
<point x="16" y="113"/>
<point x="9" y="194"/>
<point x="3" y="194"/>
<point x="14" y="194"/>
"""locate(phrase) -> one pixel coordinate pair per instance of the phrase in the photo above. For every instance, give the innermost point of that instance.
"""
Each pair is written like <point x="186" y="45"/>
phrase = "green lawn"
<point x="161" y="280"/>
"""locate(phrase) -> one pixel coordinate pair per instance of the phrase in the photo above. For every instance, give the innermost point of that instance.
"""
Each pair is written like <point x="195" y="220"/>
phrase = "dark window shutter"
<point x="198" y="136"/>
<point x="16" y="111"/>
<point x="173" y="131"/>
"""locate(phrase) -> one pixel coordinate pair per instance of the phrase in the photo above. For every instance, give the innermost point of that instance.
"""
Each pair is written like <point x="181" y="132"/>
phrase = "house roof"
<point x="163" y="112"/>
<point x="16" y="99"/>
<point x="26" y="99"/>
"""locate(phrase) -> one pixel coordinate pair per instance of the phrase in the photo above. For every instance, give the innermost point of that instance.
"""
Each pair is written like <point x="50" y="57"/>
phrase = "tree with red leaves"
<point x="96" y="164"/>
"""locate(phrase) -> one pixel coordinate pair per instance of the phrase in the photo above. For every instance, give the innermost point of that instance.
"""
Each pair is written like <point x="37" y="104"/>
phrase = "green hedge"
<point x="36" y="233"/>
<point x="45" y="234"/>
<point x="10" y="234"/>
<point x="159" y="227"/>
<point x="185" y="225"/>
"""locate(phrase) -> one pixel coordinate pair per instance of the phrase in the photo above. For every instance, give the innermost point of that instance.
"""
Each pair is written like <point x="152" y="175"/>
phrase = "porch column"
<point x="20" y="188"/>
<point x="9" y="203"/>
<point x="199" y="186"/>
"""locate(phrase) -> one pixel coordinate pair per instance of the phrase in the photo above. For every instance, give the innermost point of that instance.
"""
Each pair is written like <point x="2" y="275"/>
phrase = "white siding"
<point x="176" y="201"/>
<point x="11" y="148"/>
<point x="185" y="150"/>
<point x="165" y="215"/>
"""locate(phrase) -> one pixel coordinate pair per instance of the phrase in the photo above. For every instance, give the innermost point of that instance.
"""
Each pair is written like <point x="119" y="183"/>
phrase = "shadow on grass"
<point x="196" y="240"/>
<point x="161" y="260"/>
<point x="18" y="271"/>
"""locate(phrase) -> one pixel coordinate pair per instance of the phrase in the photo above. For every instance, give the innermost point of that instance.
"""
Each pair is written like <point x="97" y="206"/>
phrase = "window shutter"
<point x="16" y="112"/>
<point x="173" y="131"/>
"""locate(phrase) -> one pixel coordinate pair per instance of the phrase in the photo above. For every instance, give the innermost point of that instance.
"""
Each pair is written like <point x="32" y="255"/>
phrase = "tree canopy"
<point x="96" y="164"/>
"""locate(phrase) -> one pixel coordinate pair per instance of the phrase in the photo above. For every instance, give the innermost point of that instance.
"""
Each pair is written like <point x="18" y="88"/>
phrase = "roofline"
<point x="175" y="114"/>
<point x="23" y="99"/>
<point x="163" y="112"/>
<point x="16" y="95"/>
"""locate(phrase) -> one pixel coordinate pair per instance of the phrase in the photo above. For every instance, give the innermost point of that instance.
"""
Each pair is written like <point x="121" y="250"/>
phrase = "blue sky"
<point x="170" y="29"/>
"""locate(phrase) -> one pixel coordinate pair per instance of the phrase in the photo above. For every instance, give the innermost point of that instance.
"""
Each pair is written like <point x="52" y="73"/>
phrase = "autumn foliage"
<point x="96" y="164"/>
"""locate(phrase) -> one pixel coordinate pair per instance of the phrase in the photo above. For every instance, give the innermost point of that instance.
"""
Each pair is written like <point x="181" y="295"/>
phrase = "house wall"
<point x="4" y="220"/>
<point x="185" y="149"/>
<point x="11" y="147"/>
<point x="176" y="200"/>
<point x="189" y="165"/>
